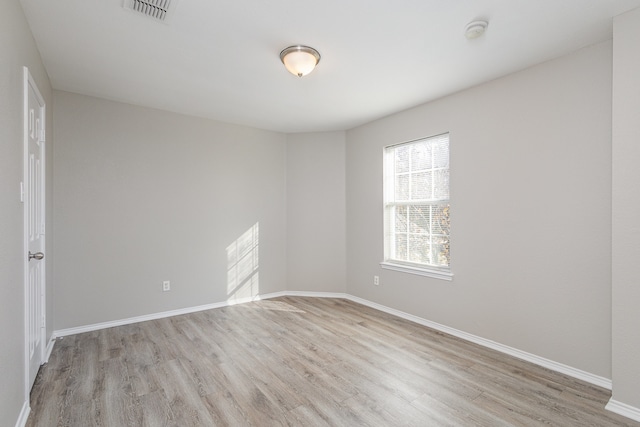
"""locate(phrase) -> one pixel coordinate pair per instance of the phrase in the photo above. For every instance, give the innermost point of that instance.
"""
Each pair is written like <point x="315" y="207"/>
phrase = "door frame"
<point x="29" y="83"/>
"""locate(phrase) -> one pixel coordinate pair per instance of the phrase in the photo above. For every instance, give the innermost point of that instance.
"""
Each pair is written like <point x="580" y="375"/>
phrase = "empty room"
<point x="329" y="213"/>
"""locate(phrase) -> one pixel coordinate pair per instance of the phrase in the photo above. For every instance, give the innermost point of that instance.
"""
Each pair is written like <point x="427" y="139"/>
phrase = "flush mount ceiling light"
<point x="475" y="29"/>
<point x="300" y="60"/>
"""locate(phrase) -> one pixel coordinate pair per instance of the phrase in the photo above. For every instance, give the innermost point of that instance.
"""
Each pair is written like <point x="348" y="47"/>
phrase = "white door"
<point x="34" y="217"/>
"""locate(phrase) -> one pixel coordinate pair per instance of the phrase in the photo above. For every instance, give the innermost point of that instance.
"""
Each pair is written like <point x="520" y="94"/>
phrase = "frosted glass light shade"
<point x="300" y="60"/>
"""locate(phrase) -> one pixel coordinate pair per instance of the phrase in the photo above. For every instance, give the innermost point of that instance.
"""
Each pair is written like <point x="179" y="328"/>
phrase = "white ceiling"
<point x="219" y="58"/>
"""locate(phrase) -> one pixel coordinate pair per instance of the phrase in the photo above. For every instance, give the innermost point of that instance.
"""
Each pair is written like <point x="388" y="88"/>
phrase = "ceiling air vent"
<point x="156" y="9"/>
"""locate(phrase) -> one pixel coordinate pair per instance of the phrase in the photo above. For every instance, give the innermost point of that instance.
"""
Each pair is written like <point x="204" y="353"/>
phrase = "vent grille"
<point x="156" y="9"/>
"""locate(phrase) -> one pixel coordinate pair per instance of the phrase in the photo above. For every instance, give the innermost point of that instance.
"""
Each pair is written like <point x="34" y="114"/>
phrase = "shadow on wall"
<point x="242" y="266"/>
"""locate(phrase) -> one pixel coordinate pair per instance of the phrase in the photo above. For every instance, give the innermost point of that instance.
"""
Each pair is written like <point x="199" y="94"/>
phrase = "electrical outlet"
<point x="166" y="286"/>
<point x="376" y="280"/>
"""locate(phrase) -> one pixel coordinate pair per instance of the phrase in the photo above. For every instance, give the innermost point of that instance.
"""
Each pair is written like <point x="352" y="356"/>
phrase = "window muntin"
<point x="416" y="203"/>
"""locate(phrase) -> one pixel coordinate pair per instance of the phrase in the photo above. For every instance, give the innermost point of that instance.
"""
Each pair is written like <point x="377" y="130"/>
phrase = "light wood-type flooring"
<point x="301" y="362"/>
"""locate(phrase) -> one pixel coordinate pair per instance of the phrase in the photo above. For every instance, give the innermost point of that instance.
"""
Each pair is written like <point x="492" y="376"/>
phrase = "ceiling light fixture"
<point x="300" y="60"/>
<point x="475" y="29"/>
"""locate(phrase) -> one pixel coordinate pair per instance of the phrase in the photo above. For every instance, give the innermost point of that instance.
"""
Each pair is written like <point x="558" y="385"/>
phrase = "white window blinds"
<point x="416" y="203"/>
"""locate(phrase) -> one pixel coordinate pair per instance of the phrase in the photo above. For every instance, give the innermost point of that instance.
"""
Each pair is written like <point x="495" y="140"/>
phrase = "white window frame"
<point x="390" y="202"/>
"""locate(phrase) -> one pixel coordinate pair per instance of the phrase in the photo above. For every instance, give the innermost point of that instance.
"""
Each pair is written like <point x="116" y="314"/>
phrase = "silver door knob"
<point x="37" y="255"/>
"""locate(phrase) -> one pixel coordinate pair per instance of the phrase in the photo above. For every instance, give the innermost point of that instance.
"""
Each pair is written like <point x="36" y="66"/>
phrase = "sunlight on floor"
<point x="277" y="306"/>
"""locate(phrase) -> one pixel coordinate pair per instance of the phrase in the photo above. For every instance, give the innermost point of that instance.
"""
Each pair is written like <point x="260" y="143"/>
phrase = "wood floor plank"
<point x="306" y="415"/>
<point x="297" y="361"/>
<point x="116" y="395"/>
<point x="88" y="413"/>
<point x="225" y="409"/>
<point x="86" y="376"/>
<point x="257" y="407"/>
<point x="182" y="397"/>
<point x="436" y="413"/>
<point x="155" y="410"/>
<point x="48" y="398"/>
<point x="110" y="343"/>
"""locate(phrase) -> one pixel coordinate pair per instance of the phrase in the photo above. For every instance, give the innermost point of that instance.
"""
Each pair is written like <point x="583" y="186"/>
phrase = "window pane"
<point x="421" y="186"/>
<point x="419" y="220"/>
<point x="420" y="156"/>
<point x="402" y="159"/>
<point x="401" y="219"/>
<point x="402" y="187"/>
<point x="441" y="154"/>
<point x="441" y="251"/>
<point x="401" y="247"/>
<point x="441" y="184"/>
<point x="441" y="223"/>
<point x="419" y="249"/>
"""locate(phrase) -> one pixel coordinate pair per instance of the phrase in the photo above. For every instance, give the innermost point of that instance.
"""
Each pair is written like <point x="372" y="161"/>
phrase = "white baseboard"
<point x="541" y="361"/>
<point x="160" y="315"/>
<point x="623" y="409"/>
<point x="24" y="414"/>
<point x="128" y="321"/>
<point x="49" y="349"/>
<point x="317" y="294"/>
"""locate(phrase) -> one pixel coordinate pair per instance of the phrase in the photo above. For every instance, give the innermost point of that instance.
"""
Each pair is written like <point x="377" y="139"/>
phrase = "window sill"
<point x="421" y="271"/>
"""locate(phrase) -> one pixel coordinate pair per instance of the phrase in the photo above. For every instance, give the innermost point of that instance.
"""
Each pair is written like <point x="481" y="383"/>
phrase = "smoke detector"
<point x="159" y="10"/>
<point x="475" y="29"/>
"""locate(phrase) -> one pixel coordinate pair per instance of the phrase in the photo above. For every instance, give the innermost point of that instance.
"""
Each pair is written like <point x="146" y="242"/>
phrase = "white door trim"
<point x="24" y="195"/>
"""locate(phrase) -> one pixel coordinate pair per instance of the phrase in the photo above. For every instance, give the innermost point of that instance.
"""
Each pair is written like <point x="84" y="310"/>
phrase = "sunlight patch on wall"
<point x="242" y="265"/>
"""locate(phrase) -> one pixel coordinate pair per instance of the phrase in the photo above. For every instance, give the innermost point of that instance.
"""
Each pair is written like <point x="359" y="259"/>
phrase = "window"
<point x="416" y="207"/>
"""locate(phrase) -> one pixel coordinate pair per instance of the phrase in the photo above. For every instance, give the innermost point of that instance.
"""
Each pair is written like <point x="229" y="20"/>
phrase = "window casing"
<point x="416" y="207"/>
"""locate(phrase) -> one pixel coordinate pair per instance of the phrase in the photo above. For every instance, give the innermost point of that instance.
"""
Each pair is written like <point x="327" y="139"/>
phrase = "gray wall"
<point x="530" y="211"/>
<point x="17" y="49"/>
<point x="626" y="209"/>
<point x="316" y="236"/>
<point x="143" y="196"/>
